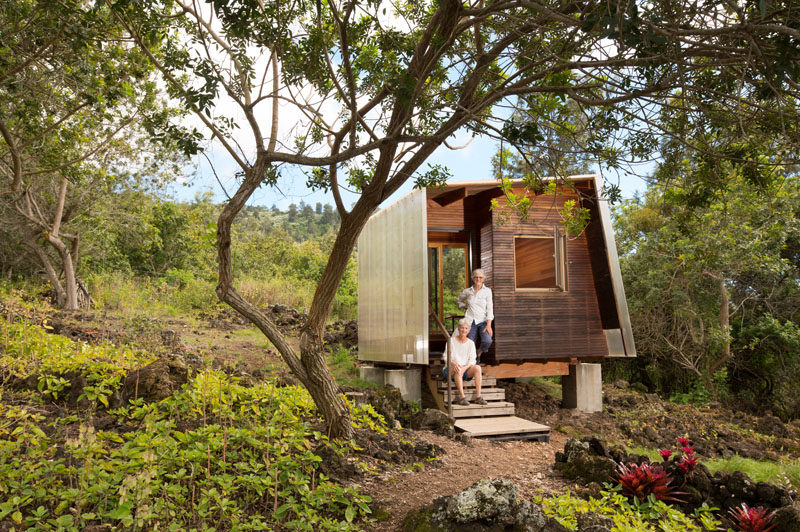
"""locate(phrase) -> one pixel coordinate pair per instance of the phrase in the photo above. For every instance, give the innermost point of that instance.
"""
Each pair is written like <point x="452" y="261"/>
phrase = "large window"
<point x="540" y="262"/>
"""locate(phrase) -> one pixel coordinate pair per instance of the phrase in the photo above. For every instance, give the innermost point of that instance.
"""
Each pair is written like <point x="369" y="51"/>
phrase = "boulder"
<point x="487" y="505"/>
<point x="593" y="522"/>
<point x="155" y="381"/>
<point x="772" y="426"/>
<point x="581" y="461"/>
<point x="387" y="402"/>
<point x="787" y="518"/>
<point x="433" y="420"/>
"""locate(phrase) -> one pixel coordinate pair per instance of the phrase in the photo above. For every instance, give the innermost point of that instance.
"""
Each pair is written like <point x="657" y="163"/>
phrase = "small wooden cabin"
<point x="557" y="299"/>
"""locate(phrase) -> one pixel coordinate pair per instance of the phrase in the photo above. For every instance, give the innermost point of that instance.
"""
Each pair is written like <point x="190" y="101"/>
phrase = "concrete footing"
<point x="583" y="388"/>
<point x="371" y="374"/>
<point x="408" y="381"/>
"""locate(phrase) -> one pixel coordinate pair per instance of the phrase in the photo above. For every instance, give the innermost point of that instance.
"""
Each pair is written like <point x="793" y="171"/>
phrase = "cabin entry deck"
<point x="495" y="420"/>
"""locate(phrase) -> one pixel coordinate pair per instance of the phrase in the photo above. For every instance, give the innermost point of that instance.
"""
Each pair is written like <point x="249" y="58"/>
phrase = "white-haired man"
<point x="477" y="300"/>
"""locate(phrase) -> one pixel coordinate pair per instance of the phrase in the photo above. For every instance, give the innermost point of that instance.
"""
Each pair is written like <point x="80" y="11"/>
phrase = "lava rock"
<point x="580" y="461"/>
<point x="433" y="420"/>
<point x="787" y="518"/>
<point x="489" y="504"/>
<point x="155" y="381"/>
<point x="772" y="426"/>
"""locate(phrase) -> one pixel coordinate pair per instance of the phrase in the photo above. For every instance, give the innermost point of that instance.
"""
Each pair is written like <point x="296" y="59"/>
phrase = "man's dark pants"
<point x="480" y="329"/>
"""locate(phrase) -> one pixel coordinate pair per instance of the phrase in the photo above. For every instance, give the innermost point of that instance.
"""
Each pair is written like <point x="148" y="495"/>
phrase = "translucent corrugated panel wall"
<point x="392" y="284"/>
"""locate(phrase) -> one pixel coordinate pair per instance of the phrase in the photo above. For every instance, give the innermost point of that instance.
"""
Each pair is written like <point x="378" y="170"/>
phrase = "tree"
<point x="693" y="270"/>
<point x="374" y="89"/>
<point x="75" y="98"/>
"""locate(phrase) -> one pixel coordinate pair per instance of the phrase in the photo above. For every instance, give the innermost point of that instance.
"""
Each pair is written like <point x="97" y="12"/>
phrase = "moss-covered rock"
<point x="433" y="420"/>
<point x="487" y="505"/>
<point x="585" y="460"/>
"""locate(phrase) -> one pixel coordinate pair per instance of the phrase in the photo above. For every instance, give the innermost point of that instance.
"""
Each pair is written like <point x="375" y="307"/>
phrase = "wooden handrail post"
<point x="449" y="395"/>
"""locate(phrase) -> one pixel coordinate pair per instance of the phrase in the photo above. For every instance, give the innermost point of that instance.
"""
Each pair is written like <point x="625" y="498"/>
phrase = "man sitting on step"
<point x="462" y="362"/>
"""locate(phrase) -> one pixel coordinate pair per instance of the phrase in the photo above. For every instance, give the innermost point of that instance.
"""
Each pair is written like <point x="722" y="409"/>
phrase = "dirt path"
<point x="527" y="464"/>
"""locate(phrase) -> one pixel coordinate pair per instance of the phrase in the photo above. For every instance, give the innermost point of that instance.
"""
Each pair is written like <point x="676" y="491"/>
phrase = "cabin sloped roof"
<point x="470" y="188"/>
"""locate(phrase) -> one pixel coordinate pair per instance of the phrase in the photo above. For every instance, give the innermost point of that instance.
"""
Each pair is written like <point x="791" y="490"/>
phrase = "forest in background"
<point x="139" y="246"/>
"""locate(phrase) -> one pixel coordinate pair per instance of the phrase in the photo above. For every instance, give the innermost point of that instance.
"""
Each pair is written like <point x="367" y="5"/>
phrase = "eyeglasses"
<point x="477" y="277"/>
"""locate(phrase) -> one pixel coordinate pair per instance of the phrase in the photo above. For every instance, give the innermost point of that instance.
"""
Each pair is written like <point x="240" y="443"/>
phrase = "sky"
<point x="216" y="170"/>
<point x="472" y="162"/>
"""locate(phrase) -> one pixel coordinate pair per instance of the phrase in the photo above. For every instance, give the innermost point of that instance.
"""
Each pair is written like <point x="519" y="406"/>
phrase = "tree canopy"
<point x="80" y="117"/>
<point x="360" y="94"/>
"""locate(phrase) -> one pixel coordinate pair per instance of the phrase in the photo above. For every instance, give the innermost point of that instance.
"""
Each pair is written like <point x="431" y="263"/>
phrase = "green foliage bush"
<point x="165" y="260"/>
<point x="214" y="456"/>
<point x="31" y="351"/>
<point x="628" y="515"/>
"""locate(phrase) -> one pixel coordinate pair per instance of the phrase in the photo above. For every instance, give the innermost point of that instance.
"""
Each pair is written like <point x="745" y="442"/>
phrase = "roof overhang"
<point x="454" y="191"/>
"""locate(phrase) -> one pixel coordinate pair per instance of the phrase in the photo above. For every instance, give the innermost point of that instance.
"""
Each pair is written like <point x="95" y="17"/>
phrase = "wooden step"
<point x="495" y="408"/>
<point x="503" y="428"/>
<point x="490" y="394"/>
<point x="486" y="382"/>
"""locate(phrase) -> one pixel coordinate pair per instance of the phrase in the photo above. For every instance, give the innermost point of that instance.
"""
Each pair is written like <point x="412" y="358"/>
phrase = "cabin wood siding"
<point x="542" y="324"/>
<point x="448" y="217"/>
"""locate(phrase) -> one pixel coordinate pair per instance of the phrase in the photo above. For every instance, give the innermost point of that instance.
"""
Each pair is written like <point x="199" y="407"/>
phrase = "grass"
<point x="652" y="454"/>
<point x="783" y="473"/>
<point x="133" y="296"/>
<point x="252" y="334"/>
<point x="548" y="385"/>
<point x="130" y="296"/>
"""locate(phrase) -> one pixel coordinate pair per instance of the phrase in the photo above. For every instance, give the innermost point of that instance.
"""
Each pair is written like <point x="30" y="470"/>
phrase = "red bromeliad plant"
<point x="746" y="519"/>
<point x="688" y="461"/>
<point x="642" y="480"/>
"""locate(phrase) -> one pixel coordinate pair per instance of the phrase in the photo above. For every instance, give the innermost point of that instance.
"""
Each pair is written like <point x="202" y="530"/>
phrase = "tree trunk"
<point x="70" y="281"/>
<point x="724" y="321"/>
<point x="52" y="276"/>
<point x="724" y="325"/>
<point x="323" y="388"/>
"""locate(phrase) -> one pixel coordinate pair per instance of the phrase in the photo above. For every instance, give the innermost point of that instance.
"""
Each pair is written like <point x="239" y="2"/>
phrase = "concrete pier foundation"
<point x="583" y="388"/>
<point x="408" y="381"/>
<point x="371" y="374"/>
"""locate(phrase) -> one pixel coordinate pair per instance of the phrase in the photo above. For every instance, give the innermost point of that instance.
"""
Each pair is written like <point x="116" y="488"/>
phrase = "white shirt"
<point x="478" y="304"/>
<point x="463" y="354"/>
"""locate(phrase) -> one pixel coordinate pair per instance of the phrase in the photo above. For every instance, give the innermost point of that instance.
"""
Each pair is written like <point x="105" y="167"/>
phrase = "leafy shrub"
<point x="214" y="454"/>
<point x="639" y="516"/>
<point x="29" y="350"/>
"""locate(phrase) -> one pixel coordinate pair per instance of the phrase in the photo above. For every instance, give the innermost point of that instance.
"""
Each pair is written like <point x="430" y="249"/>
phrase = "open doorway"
<point x="448" y="275"/>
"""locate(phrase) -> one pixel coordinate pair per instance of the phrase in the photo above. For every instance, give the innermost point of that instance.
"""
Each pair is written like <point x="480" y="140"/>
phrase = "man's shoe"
<point x="479" y="401"/>
<point x="462" y="402"/>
